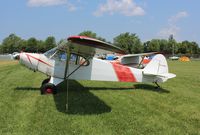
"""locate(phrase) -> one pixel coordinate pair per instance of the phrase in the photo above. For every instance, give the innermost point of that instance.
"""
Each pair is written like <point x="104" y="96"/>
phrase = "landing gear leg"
<point x="45" y="81"/>
<point x="157" y="85"/>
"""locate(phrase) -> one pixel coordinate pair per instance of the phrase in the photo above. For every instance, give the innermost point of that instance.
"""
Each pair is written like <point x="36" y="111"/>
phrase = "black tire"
<point x="45" y="81"/>
<point x="48" y="88"/>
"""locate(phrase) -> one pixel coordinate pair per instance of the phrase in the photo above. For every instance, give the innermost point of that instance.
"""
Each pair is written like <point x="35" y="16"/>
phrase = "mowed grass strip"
<point x="100" y="107"/>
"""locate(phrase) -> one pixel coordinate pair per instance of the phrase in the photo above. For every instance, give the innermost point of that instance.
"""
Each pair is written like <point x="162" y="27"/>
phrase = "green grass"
<point x="108" y="108"/>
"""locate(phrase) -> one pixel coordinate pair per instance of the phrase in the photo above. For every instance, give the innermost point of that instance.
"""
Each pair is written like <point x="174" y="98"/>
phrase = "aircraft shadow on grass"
<point x="82" y="101"/>
<point x="27" y="88"/>
<point x="146" y="87"/>
<point x="149" y="87"/>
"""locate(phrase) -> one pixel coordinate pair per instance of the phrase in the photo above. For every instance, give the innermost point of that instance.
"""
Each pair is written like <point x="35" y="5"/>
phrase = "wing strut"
<point x="141" y="62"/>
<point x="66" y="77"/>
<point x="67" y="74"/>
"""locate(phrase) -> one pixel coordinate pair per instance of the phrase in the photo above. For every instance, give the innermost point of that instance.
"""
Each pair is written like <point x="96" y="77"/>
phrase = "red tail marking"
<point x="146" y="61"/>
<point x="124" y="74"/>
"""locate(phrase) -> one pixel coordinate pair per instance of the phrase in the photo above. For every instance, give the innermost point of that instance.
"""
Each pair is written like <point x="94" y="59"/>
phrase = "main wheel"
<point x="45" y="81"/>
<point x="48" y="88"/>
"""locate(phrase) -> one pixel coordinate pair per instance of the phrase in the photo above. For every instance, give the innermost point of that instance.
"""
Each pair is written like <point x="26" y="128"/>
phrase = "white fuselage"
<point x="95" y="69"/>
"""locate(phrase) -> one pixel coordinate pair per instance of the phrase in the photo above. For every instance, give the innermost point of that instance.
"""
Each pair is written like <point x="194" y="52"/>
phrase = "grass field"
<point x="100" y="107"/>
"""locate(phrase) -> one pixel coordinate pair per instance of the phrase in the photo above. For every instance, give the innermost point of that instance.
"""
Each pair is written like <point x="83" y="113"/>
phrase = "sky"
<point x="148" y="19"/>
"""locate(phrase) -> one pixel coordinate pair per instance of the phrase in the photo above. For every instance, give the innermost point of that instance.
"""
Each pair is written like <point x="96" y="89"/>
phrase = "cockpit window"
<point x="50" y="52"/>
<point x="60" y="56"/>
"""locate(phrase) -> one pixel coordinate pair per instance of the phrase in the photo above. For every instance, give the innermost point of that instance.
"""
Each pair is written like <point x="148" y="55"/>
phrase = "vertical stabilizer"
<point x="158" y="67"/>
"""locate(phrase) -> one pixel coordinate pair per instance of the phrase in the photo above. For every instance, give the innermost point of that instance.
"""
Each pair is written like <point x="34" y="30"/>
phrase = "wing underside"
<point x="82" y="44"/>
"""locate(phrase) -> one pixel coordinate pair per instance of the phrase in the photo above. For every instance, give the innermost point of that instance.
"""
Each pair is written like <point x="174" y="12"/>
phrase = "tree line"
<point x="129" y="42"/>
<point x="14" y="43"/>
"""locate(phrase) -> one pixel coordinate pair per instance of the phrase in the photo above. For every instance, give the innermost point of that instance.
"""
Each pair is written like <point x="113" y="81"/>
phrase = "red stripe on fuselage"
<point x="29" y="58"/>
<point x="124" y="73"/>
<point x="28" y="55"/>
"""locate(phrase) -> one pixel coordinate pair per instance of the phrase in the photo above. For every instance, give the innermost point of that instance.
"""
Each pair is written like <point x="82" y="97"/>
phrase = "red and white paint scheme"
<point x="83" y="65"/>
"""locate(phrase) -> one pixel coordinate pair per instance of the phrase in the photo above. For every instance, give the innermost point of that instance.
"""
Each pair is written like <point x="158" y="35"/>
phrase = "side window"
<point x="63" y="56"/>
<point x="78" y="60"/>
<point x="74" y="58"/>
<point x="83" y="61"/>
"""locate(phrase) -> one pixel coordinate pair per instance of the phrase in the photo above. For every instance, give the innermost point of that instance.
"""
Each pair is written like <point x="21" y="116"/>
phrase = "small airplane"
<point x="75" y="59"/>
<point x="174" y="58"/>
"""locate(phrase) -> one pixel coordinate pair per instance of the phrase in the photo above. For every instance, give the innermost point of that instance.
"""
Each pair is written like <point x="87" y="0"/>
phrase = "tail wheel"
<point x="48" y="88"/>
<point x="45" y="81"/>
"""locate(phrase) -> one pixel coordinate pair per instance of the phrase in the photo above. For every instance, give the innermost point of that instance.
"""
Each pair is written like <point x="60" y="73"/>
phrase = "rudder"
<point x="158" y="65"/>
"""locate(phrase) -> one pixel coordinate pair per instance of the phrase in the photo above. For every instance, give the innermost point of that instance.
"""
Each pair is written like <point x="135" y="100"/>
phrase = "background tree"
<point x="88" y="34"/>
<point x="11" y="44"/>
<point x="184" y="47"/>
<point x="49" y="43"/>
<point x="145" y="46"/>
<point x="32" y="45"/>
<point x="62" y="40"/>
<point x="129" y="42"/>
<point x="23" y="45"/>
<point x="163" y="45"/>
<point x="154" y="46"/>
<point x="1" y="50"/>
<point x="195" y="48"/>
<point x="172" y="47"/>
<point x="188" y="48"/>
<point x="40" y="46"/>
<point x="92" y="35"/>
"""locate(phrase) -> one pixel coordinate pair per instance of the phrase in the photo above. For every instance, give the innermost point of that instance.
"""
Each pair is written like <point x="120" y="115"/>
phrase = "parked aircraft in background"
<point x="174" y="58"/>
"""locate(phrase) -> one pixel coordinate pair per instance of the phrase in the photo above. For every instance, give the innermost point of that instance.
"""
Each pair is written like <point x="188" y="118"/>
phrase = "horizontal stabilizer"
<point x="165" y="75"/>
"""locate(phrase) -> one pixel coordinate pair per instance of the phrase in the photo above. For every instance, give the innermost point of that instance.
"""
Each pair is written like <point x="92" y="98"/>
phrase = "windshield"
<point x="50" y="52"/>
<point x="59" y="55"/>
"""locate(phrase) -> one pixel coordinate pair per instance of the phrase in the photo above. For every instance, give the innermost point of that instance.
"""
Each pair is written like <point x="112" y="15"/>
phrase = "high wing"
<point x="87" y="46"/>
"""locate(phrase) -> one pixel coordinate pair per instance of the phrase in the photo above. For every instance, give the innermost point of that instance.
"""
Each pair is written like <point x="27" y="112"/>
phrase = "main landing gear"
<point x="157" y="85"/>
<point x="47" y="88"/>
